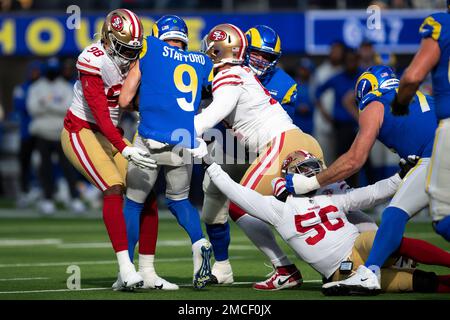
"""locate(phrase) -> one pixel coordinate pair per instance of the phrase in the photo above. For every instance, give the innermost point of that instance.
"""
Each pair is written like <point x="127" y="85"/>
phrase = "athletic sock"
<point x="132" y="212"/>
<point x="146" y="263"/>
<point x="388" y="237"/>
<point x="262" y="236"/>
<point x="187" y="217"/>
<point x="125" y="265"/>
<point x="219" y="236"/>
<point x="148" y="230"/>
<point x="115" y="222"/>
<point x="443" y="228"/>
<point x="424" y="252"/>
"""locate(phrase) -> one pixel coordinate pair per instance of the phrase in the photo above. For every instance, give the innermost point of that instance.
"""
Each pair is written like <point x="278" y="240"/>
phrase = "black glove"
<point x="207" y="161"/>
<point x="406" y="165"/>
<point x="398" y="109"/>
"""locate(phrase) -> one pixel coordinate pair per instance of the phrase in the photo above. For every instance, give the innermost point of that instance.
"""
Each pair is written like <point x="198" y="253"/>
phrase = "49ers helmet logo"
<point x="218" y="35"/>
<point x="117" y="22"/>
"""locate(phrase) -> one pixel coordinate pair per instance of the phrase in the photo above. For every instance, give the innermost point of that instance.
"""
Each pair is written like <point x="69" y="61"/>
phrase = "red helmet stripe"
<point x="243" y="40"/>
<point x="135" y="26"/>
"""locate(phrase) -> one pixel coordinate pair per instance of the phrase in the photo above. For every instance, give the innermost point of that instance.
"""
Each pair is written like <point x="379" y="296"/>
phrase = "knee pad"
<point x="442" y="227"/>
<point x="425" y="281"/>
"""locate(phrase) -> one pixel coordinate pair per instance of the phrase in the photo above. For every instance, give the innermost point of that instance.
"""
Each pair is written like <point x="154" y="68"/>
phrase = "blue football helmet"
<point x="265" y="40"/>
<point x="379" y="77"/>
<point x="171" y="27"/>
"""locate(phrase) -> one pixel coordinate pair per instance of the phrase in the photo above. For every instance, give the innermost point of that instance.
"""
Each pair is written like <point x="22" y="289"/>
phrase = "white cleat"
<point x="153" y="281"/>
<point x="201" y="253"/>
<point x="222" y="273"/>
<point x="362" y="282"/>
<point x="129" y="282"/>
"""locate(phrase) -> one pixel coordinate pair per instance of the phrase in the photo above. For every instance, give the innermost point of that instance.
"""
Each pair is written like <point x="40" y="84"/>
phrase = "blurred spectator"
<point x="47" y="102"/>
<point x="367" y="54"/>
<point x="27" y="141"/>
<point x="323" y="130"/>
<point x="343" y="123"/>
<point x="303" y="116"/>
<point x="68" y="71"/>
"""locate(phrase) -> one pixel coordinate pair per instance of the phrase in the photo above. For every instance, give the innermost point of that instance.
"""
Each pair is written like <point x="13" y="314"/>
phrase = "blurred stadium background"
<point x="320" y="38"/>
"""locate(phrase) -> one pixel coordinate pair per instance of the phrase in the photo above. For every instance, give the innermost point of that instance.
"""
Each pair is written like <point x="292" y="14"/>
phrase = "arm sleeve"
<point x="367" y="197"/>
<point x="266" y="208"/>
<point x="95" y="96"/>
<point x="225" y="100"/>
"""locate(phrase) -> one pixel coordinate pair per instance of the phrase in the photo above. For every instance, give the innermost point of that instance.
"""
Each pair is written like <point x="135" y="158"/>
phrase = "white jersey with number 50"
<point x="95" y="61"/>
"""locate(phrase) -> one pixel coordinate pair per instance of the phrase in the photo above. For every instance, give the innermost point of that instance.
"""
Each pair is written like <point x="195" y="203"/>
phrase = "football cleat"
<point x="129" y="282"/>
<point x="153" y="281"/>
<point x="362" y="282"/>
<point x="282" y="278"/>
<point x="222" y="273"/>
<point x="201" y="252"/>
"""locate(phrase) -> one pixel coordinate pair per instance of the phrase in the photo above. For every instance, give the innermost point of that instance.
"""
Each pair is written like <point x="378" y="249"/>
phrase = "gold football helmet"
<point x="225" y="43"/>
<point x="301" y="162"/>
<point x="122" y="32"/>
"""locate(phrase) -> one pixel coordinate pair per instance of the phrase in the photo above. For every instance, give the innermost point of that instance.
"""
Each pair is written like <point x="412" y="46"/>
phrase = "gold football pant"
<point x="95" y="157"/>
<point x="393" y="279"/>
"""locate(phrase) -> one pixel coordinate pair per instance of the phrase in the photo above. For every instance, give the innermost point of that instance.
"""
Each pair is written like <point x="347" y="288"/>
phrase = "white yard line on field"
<point x="56" y="264"/>
<point x="28" y="242"/>
<point x="109" y="288"/>
<point x="24" y="279"/>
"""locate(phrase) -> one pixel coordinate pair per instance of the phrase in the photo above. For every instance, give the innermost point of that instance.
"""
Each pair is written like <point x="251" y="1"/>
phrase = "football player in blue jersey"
<point x="263" y="54"/>
<point x="433" y="56"/>
<point x="411" y="135"/>
<point x="169" y="80"/>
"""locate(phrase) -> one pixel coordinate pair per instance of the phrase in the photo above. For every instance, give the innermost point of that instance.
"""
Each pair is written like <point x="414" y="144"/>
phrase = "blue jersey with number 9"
<point x="170" y="92"/>
<point x="406" y="135"/>
<point x="437" y="27"/>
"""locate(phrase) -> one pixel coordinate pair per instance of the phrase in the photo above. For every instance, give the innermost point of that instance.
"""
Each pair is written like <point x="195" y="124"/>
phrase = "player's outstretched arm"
<point x="130" y="87"/>
<point x="424" y="60"/>
<point x="266" y="208"/>
<point x="367" y="197"/>
<point x="370" y="121"/>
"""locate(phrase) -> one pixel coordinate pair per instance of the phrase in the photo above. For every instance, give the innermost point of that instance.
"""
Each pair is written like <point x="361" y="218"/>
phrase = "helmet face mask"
<point x="264" y="42"/>
<point x="301" y="162"/>
<point x="122" y="36"/>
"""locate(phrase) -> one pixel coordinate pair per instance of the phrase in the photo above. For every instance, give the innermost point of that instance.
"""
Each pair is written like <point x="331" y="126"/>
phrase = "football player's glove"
<point x="398" y="109"/>
<point x="407" y="164"/>
<point x="139" y="157"/>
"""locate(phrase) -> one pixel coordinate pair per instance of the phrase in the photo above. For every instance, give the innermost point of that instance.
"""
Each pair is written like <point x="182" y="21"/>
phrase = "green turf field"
<point x="35" y="254"/>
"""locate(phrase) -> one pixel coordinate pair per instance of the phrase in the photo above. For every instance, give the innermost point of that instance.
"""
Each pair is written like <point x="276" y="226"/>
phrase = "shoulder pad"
<point x="431" y="27"/>
<point x="229" y="77"/>
<point x="91" y="59"/>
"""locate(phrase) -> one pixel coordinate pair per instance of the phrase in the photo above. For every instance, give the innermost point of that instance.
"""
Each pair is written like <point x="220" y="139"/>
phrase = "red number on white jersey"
<point x="322" y="227"/>
<point x="95" y="51"/>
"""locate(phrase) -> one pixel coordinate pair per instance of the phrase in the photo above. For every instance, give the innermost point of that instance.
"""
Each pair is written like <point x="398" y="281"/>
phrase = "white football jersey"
<point x="94" y="60"/>
<point x="257" y="118"/>
<point x="318" y="230"/>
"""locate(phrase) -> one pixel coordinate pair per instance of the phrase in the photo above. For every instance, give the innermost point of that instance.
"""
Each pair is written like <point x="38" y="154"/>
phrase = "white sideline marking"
<point x="108" y="288"/>
<point x="56" y="264"/>
<point x="28" y="242"/>
<point x="23" y="279"/>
